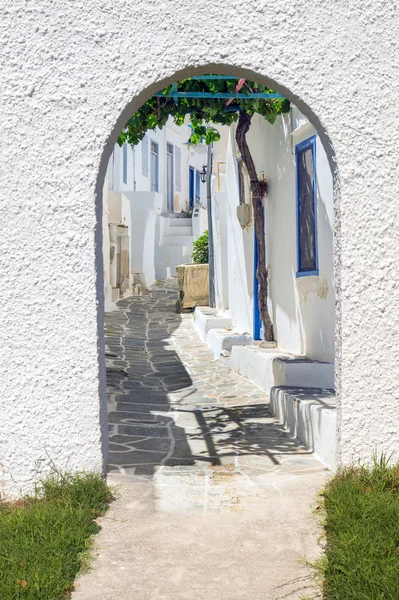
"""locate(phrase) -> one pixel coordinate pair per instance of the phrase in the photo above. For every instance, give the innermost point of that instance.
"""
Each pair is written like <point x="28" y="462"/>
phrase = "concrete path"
<point x="214" y="500"/>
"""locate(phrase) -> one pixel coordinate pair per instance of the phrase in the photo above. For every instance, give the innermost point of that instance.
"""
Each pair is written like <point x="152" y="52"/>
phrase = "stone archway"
<point x="60" y="119"/>
<point x="225" y="70"/>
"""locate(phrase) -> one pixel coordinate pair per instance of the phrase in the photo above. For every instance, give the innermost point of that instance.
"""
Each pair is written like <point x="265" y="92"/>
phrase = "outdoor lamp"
<point x="203" y="174"/>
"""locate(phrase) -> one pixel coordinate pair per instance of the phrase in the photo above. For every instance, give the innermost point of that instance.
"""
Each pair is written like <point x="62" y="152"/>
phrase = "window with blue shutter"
<point x="124" y="163"/>
<point x="306" y="208"/>
<point x="178" y="169"/>
<point x="191" y="186"/>
<point x="144" y="156"/>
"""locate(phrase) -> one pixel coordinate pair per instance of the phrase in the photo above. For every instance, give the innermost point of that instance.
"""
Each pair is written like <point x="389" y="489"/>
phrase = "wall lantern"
<point x="203" y="174"/>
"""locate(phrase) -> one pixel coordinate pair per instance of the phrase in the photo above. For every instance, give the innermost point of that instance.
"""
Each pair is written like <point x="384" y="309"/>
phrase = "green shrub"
<point x="200" y="253"/>
<point x="46" y="540"/>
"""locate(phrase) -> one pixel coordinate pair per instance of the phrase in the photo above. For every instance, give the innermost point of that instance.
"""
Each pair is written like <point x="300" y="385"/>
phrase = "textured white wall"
<point x="72" y="73"/>
<point x="302" y="307"/>
<point x="194" y="156"/>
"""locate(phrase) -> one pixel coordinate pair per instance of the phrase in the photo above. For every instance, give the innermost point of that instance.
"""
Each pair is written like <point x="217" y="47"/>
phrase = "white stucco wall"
<point x="302" y="307"/>
<point x="145" y="208"/>
<point x="191" y="155"/>
<point x="72" y="75"/>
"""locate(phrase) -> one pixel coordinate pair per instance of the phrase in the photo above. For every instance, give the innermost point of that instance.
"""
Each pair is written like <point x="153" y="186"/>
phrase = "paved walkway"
<point x="214" y="498"/>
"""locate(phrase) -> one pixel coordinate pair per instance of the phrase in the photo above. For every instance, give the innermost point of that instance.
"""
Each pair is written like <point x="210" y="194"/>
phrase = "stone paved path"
<point x="214" y="500"/>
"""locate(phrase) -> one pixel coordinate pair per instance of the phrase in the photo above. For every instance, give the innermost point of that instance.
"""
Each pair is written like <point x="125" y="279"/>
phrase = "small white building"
<point x="154" y="207"/>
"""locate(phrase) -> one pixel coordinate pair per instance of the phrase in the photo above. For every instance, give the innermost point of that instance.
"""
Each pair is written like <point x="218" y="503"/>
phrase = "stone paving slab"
<point x="214" y="499"/>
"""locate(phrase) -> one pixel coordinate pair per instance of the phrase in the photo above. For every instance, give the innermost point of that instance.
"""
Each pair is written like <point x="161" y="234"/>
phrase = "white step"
<point x="309" y="415"/>
<point x="221" y="341"/>
<point x="178" y="231"/>
<point x="177" y="240"/>
<point x="269" y="368"/>
<point x="175" y="222"/>
<point x="206" y="318"/>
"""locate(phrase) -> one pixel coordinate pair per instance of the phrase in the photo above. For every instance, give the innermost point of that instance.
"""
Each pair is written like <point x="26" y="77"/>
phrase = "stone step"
<point x="177" y="222"/>
<point x="206" y="318"/>
<point x="221" y="341"/>
<point x="177" y="240"/>
<point x="178" y="231"/>
<point x="269" y="368"/>
<point x="310" y="415"/>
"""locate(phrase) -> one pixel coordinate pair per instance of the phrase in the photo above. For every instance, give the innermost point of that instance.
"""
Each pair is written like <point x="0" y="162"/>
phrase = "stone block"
<point x="193" y="286"/>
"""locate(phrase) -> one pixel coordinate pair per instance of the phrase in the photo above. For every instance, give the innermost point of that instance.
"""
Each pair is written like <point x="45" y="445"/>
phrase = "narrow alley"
<point x="214" y="500"/>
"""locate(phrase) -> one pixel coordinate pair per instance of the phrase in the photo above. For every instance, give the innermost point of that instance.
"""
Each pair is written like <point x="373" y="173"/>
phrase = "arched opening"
<point x="177" y="412"/>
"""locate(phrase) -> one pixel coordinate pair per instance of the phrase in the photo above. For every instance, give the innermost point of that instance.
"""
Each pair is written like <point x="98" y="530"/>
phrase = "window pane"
<point x="307" y="223"/>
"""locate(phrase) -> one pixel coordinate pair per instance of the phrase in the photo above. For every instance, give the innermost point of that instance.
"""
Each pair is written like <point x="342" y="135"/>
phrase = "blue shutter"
<point x="191" y="186"/>
<point x="144" y="156"/>
<point x="124" y="160"/>
<point x="178" y="168"/>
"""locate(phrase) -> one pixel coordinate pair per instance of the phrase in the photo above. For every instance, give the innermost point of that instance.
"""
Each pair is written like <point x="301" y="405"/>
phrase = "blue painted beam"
<point x="174" y="91"/>
<point x="219" y="95"/>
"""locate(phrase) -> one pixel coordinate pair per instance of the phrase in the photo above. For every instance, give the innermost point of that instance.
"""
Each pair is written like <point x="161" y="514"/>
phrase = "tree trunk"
<point x="259" y="191"/>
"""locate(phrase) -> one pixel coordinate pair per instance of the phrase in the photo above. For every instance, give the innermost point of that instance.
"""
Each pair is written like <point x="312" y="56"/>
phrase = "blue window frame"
<point x="124" y="163"/>
<point x="154" y="167"/>
<point x="306" y="208"/>
<point x="197" y="188"/>
<point x="191" y="186"/>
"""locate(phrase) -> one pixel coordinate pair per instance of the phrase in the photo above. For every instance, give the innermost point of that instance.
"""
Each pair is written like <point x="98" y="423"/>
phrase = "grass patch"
<point x="361" y="507"/>
<point x="45" y="540"/>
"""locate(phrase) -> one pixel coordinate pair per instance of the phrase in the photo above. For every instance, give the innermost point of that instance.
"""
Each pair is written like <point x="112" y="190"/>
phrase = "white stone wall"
<point x="302" y="308"/>
<point x="193" y="156"/>
<point x="72" y="74"/>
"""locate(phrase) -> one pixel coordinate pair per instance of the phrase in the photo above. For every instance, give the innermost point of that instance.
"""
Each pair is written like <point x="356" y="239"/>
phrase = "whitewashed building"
<point x="299" y="261"/>
<point x="154" y="207"/>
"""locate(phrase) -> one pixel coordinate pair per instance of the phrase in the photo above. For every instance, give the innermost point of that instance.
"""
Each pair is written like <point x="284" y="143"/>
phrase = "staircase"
<point x="175" y="245"/>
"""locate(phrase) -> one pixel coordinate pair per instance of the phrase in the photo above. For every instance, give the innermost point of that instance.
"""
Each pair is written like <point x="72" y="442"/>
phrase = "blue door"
<point x="258" y="325"/>
<point x="191" y="186"/>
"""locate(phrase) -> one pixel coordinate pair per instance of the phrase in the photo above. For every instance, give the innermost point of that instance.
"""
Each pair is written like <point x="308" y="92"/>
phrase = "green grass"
<point x="362" y="534"/>
<point x="46" y="540"/>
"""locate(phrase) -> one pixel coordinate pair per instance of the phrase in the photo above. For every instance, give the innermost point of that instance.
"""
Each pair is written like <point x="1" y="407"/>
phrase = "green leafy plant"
<point x="202" y="113"/>
<point x="200" y="253"/>
<point x="47" y="539"/>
